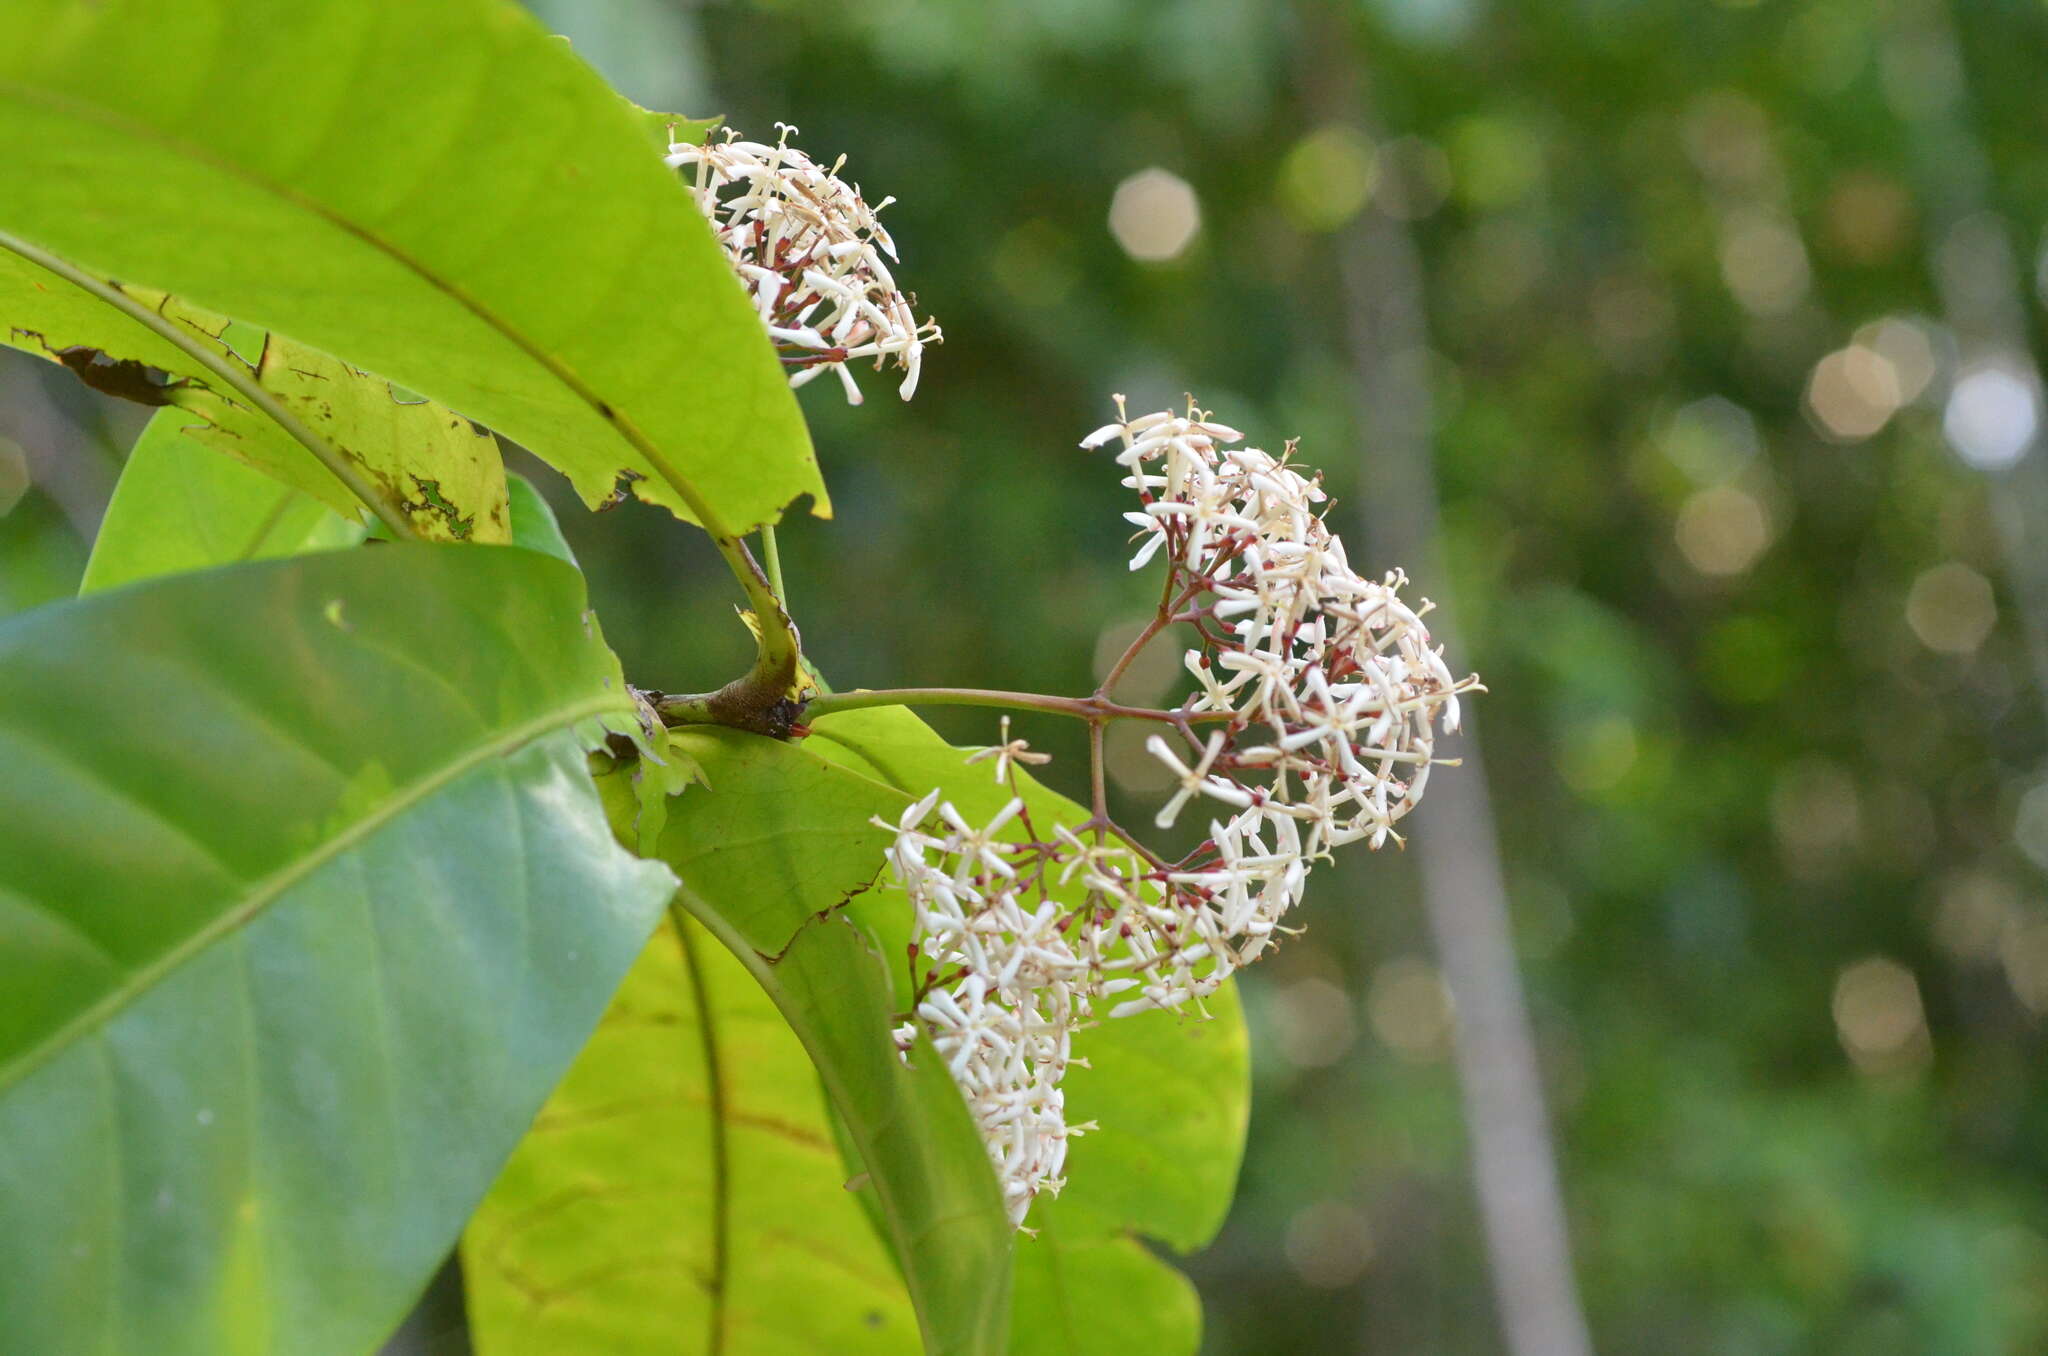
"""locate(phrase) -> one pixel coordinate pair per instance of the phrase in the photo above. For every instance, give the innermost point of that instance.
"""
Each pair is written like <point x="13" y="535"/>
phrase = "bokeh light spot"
<point x="1633" y="321"/>
<point x="1312" y="1023"/>
<point x="1817" y="815"/>
<point x="1497" y="161"/>
<point x="1326" y="177"/>
<point x="1763" y="262"/>
<point x="1329" y="1244"/>
<point x="1597" y="754"/>
<point x="1974" y="910"/>
<point x="1908" y="346"/>
<point x="1154" y="215"/>
<point x="1853" y="393"/>
<point x="1991" y="417"/>
<point x="1721" y="531"/>
<point x="1430" y="22"/>
<point x="1950" y="608"/>
<point x="1878" y="1015"/>
<point x="2030" y="825"/>
<point x="1711" y="439"/>
<point x="1151" y="675"/>
<point x="1410" y="1009"/>
<point x="2023" y="949"/>
<point x="1128" y="764"/>
<point x="1728" y="136"/>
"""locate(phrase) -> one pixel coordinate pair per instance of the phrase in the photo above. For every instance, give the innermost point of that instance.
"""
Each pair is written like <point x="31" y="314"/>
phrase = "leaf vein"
<point x="261" y="894"/>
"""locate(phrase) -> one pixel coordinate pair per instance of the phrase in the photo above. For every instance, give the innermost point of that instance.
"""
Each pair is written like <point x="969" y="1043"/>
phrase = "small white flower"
<point x="1009" y="751"/>
<point x="979" y="847"/>
<point x="1194" y="781"/>
<point x="1154" y="533"/>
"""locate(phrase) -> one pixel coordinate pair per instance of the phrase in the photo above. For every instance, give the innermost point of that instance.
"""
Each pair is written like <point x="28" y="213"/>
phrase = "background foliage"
<point x="1763" y="744"/>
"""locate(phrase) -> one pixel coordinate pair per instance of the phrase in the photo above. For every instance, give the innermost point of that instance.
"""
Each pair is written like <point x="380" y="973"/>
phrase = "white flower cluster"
<point x="1320" y="693"/>
<point x="1326" y="679"/>
<point x="812" y="256"/>
<point x="1004" y="988"/>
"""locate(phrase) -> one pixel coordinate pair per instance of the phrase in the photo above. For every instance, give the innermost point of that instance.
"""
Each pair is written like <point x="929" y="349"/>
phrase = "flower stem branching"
<point x="759" y="700"/>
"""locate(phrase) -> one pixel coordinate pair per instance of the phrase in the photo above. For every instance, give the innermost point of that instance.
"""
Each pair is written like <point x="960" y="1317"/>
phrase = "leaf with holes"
<point x="306" y="900"/>
<point x="434" y="468"/>
<point x="1170" y="1096"/>
<point x="438" y="192"/>
<point x="731" y="1177"/>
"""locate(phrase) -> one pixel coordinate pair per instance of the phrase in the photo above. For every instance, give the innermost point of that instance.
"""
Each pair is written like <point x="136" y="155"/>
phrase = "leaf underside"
<point x="693" y="1103"/>
<point x="434" y="468"/>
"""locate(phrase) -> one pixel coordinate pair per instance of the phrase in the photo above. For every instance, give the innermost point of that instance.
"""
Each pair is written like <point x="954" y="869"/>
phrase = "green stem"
<point x="771" y="557"/>
<point x="243" y="383"/>
<point x="1081" y="708"/>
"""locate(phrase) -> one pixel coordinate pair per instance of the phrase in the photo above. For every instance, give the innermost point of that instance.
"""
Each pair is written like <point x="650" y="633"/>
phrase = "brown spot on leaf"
<point x="431" y="500"/>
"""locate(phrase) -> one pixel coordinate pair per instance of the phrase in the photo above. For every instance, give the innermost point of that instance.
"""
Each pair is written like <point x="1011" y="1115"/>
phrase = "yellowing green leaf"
<point x="681" y="1187"/>
<point x="439" y="471"/>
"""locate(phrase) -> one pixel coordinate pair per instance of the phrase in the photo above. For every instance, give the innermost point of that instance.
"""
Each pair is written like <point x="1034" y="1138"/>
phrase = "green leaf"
<point x="179" y="506"/>
<point x="438" y="192"/>
<point x="768" y="852"/>
<point x="442" y="473"/>
<point x="41" y="557"/>
<point x="533" y="521"/>
<point x="1100" y="1294"/>
<point x="306" y="901"/>
<point x="1170" y="1094"/>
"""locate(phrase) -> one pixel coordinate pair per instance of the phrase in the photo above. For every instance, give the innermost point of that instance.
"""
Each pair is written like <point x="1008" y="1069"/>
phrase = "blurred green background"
<point x="1725" y="322"/>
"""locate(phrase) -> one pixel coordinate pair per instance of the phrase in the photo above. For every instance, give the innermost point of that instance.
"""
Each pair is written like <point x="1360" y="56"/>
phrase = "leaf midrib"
<point x="721" y="1155"/>
<point x="262" y="894"/>
<point x="121" y="125"/>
